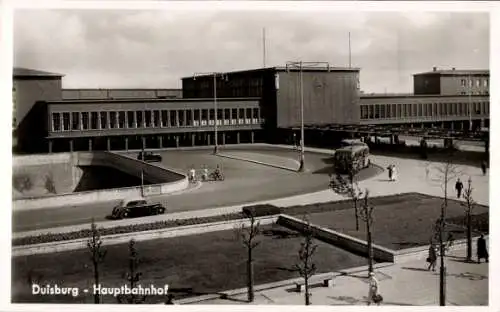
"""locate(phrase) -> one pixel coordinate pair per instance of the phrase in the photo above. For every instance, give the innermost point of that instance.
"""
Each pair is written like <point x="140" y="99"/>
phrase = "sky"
<point x="154" y="49"/>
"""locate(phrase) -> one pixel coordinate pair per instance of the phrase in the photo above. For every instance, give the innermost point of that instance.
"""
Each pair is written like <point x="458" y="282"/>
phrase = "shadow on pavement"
<point x="415" y="269"/>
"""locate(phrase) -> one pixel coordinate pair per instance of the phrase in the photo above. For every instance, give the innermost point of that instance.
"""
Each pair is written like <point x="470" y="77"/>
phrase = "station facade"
<point x="261" y="105"/>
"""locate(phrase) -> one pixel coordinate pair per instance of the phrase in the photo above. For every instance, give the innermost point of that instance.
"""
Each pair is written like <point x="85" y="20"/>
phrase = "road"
<point x="245" y="182"/>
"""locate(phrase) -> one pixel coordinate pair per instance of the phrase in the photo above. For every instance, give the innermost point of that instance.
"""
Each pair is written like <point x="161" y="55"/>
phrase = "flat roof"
<point x="27" y="72"/>
<point x="456" y="72"/>
<point x="132" y="100"/>
<point x="281" y="69"/>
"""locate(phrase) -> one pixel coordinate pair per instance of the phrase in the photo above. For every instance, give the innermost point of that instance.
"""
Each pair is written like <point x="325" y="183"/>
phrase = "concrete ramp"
<point x="263" y="159"/>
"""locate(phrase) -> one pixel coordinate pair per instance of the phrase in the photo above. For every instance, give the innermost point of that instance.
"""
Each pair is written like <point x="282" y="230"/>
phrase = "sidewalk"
<point x="407" y="283"/>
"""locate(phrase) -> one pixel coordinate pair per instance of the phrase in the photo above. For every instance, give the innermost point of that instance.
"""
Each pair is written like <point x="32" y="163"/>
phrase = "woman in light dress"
<point x="394" y="173"/>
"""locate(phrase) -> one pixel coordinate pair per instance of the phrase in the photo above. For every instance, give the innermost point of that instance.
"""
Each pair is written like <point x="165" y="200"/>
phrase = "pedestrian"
<point x="432" y="258"/>
<point x="394" y="173"/>
<point x="192" y="174"/>
<point x="483" y="167"/>
<point x="373" y="291"/>
<point x="427" y="172"/>
<point x="482" y="251"/>
<point x="389" y="169"/>
<point x="459" y="186"/>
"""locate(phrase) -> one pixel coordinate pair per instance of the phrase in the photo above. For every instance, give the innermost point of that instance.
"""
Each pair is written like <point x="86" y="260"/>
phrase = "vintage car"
<point x="136" y="207"/>
<point x="149" y="157"/>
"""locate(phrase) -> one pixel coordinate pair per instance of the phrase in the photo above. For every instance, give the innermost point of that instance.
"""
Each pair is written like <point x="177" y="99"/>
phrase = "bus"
<point x="354" y="156"/>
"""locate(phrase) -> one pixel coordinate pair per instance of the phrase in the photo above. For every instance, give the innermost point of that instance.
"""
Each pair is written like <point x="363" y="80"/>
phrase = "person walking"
<point x="373" y="291"/>
<point x="459" y="186"/>
<point x="432" y="258"/>
<point x="483" y="167"/>
<point x="482" y="251"/>
<point x="394" y="173"/>
<point x="389" y="170"/>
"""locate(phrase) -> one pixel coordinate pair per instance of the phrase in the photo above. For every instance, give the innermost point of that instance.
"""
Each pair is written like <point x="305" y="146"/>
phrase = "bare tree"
<point x="50" y="185"/>
<point x="22" y="183"/>
<point x="366" y="214"/>
<point x="248" y="235"/>
<point x="469" y="205"/>
<point x="306" y="266"/>
<point x="348" y="187"/>
<point x="97" y="254"/>
<point x="446" y="172"/>
<point x="133" y="276"/>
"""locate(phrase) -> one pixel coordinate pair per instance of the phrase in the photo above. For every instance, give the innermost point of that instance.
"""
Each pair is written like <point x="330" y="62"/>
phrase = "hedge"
<point x="85" y="233"/>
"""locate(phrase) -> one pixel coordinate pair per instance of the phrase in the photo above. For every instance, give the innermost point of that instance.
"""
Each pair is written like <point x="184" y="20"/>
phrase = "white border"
<point x="6" y="57"/>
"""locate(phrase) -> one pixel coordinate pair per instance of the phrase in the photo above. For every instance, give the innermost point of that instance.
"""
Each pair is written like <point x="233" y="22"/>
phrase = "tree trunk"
<point x="356" y="214"/>
<point x="250" y="276"/>
<point x="96" y="281"/>
<point x="307" y="291"/>
<point x="370" y="250"/>
<point x="469" y="237"/>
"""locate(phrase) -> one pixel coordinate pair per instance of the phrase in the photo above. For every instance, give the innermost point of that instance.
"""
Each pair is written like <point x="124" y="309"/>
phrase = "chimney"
<point x="434" y="68"/>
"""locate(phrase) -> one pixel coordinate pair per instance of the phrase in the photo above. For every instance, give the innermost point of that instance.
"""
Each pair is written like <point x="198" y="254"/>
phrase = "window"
<point x="56" y="122"/>
<point x="93" y="120"/>
<point x="470" y="82"/>
<point x="460" y="109"/>
<point x="66" y="124"/>
<point x="181" y="118"/>
<point x="399" y="111"/>
<point x="394" y="111"/>
<point x="164" y="118"/>
<point x="156" y="119"/>
<point x="104" y="119"/>
<point x="419" y="112"/>
<point x="255" y="115"/>
<point x="234" y="115"/>
<point x="485" y="83"/>
<point x="371" y="111"/>
<point x="173" y="122"/>
<point x="85" y="120"/>
<point x="130" y="121"/>
<point x="377" y="111"/>
<point x="189" y="118"/>
<point x="462" y="82"/>
<point x="241" y="115"/>
<point x="249" y="115"/>
<point x="112" y="120"/>
<point x="363" y="112"/>
<point x="147" y="119"/>
<point x="75" y="122"/>
<point x="121" y="120"/>
<point x="478" y="83"/>
<point x="140" y="119"/>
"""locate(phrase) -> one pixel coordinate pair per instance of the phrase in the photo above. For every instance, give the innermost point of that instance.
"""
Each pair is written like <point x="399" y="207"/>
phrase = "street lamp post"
<point x="214" y="75"/>
<point x="300" y="65"/>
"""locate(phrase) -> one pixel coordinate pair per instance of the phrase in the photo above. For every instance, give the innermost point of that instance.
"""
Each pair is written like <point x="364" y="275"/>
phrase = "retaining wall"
<point x="152" y="173"/>
<point x="138" y="236"/>
<point x="338" y="239"/>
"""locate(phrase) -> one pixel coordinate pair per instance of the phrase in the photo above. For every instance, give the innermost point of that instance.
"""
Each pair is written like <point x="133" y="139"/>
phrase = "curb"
<point x="259" y="162"/>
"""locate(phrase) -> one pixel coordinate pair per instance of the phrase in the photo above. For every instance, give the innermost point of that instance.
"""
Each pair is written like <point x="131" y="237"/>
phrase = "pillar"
<point x="108" y="141"/>
<point x="193" y="139"/>
<point x="143" y="142"/>
<point x="184" y="118"/>
<point x="126" y="143"/>
<point x="208" y="139"/>
<point x="90" y="144"/>
<point x="71" y="145"/>
<point x="462" y="125"/>
<point x="237" y="138"/>
<point x="168" y="119"/>
<point x="70" y="121"/>
<point x="135" y="119"/>
<point x="442" y="124"/>
<point x="176" y="119"/>
<point x="108" y="120"/>
<point x="176" y="141"/>
<point x="230" y="116"/>
<point x="80" y="117"/>
<point x="482" y="122"/>
<point x="252" y="136"/>
<point x="160" y="141"/>
<point x="223" y="138"/>
<point x="199" y="116"/>
<point x="50" y="146"/>
<point x="192" y="117"/>
<point x="392" y="139"/>
<point x="452" y="126"/>
<point x="126" y="120"/>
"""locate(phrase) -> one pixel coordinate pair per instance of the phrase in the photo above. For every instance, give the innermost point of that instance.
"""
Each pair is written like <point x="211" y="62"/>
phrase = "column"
<point x="177" y="140"/>
<point x="462" y="125"/>
<point x="71" y="144"/>
<point x="223" y="138"/>
<point x="117" y="119"/>
<point x="143" y="142"/>
<point x="108" y="141"/>
<point x="61" y="121"/>
<point x="230" y="116"/>
<point x="199" y="117"/>
<point x="126" y="120"/>
<point x="421" y="125"/>
<point x="168" y="119"/>
<point x="208" y="139"/>
<point x="108" y="121"/>
<point x="90" y="144"/>
<point x="50" y="146"/>
<point x="192" y="117"/>
<point x="80" y="117"/>
<point x="184" y="122"/>
<point x="70" y="121"/>
<point x="244" y="115"/>
<point x="98" y="120"/>
<point x="126" y="143"/>
<point x="452" y="126"/>
<point x="135" y="119"/>
<point x="238" y="137"/>
<point x="176" y="119"/>
<point x="252" y="136"/>
<point x="160" y="141"/>
<point x="442" y="124"/>
<point x="193" y="139"/>
<point x="482" y="122"/>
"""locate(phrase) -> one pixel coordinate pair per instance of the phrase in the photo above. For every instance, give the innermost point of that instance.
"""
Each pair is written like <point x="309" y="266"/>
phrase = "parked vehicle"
<point x="216" y="176"/>
<point x="149" y="157"/>
<point x="136" y="207"/>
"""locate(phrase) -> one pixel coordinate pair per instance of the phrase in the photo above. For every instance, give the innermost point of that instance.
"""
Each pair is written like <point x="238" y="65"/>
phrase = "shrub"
<point x="261" y="210"/>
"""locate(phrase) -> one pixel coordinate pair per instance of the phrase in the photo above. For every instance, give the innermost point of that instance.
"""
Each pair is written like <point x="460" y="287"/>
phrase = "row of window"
<point x="237" y="92"/>
<point x="66" y="121"/>
<point x="475" y="93"/>
<point x="383" y="111"/>
<point x="464" y="82"/>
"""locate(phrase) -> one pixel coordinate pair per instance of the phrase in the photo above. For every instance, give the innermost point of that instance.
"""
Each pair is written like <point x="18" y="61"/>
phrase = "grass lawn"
<point x="401" y="221"/>
<point x="190" y="265"/>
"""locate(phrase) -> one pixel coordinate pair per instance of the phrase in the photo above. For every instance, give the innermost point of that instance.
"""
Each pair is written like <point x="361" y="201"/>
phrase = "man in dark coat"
<point x="483" y="167"/>
<point x="482" y="251"/>
<point x="459" y="186"/>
